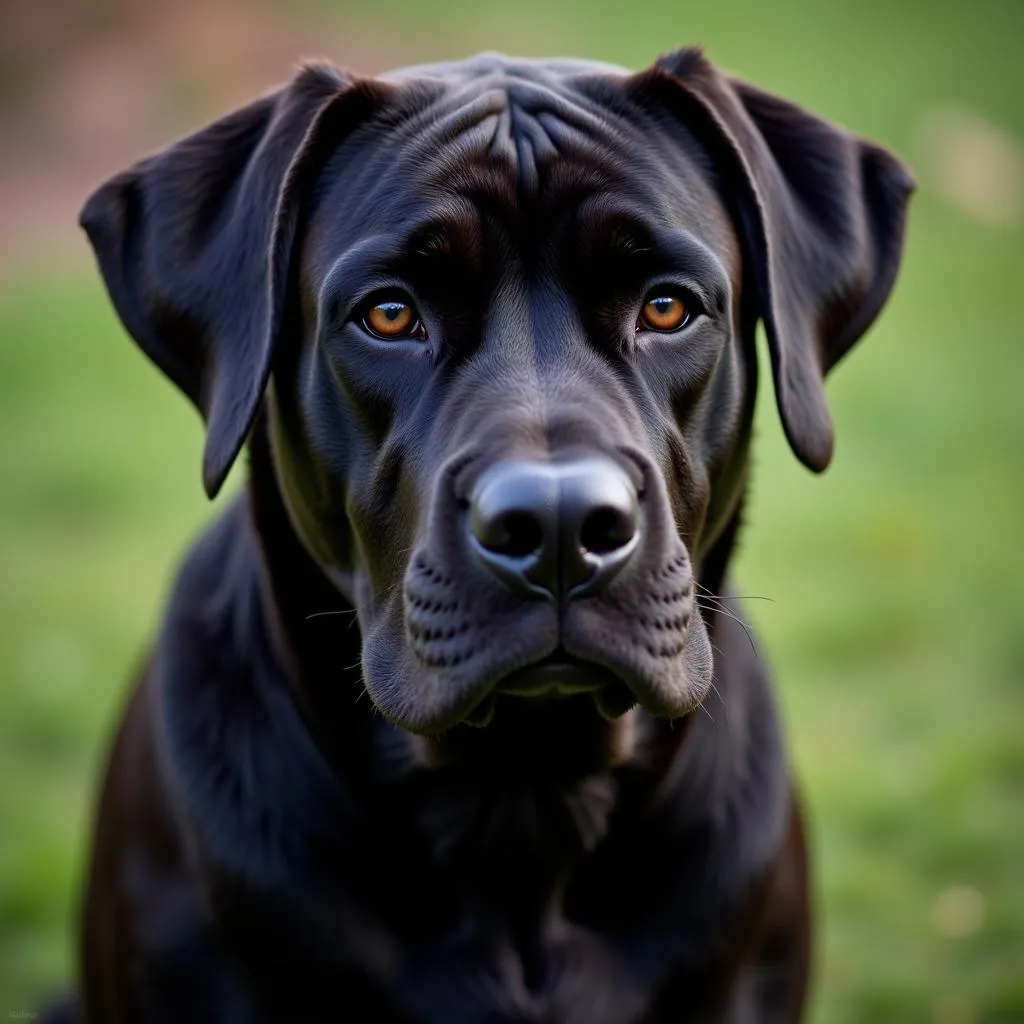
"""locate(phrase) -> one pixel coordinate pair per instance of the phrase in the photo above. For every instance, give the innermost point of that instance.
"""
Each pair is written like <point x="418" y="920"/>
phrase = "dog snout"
<point x="560" y="529"/>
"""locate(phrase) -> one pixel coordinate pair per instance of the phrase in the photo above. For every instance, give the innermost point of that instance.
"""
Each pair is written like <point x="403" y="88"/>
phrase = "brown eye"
<point x="665" y="312"/>
<point x="393" y="318"/>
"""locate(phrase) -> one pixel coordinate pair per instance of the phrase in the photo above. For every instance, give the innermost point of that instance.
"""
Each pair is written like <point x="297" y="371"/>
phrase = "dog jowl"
<point x="426" y="708"/>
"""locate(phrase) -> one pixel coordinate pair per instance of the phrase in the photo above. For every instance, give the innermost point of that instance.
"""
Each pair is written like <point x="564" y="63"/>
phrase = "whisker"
<point x="732" y="597"/>
<point x="721" y="699"/>
<point x="354" y="612"/>
<point x="729" y="614"/>
<point x="340" y="611"/>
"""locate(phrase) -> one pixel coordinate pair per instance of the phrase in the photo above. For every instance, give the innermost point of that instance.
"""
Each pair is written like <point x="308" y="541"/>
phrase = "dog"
<point x="451" y="717"/>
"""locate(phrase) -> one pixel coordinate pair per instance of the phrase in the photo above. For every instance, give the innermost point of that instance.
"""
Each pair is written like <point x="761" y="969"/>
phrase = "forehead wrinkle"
<point x="519" y="153"/>
<point x="525" y="126"/>
<point x="441" y="121"/>
<point x="537" y="128"/>
<point x="521" y="141"/>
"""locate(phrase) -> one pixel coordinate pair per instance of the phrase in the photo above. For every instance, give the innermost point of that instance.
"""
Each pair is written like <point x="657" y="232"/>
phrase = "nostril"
<point x="515" y="534"/>
<point x="607" y="529"/>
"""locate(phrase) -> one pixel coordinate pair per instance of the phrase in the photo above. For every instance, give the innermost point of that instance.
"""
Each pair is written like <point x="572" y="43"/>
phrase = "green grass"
<point x="897" y="579"/>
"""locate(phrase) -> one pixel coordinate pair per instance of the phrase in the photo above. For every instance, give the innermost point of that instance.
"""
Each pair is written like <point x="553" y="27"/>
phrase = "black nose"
<point x="560" y="529"/>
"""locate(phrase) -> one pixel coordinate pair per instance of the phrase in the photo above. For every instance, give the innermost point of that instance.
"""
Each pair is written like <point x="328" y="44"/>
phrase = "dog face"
<point x="501" y="316"/>
<point x="495" y="474"/>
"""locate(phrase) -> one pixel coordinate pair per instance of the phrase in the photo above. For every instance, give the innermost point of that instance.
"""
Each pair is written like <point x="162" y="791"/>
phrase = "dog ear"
<point x="194" y="245"/>
<point x="822" y="214"/>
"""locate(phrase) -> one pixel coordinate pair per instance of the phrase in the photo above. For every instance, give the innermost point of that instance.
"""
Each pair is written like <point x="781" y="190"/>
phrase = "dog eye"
<point x="393" y="318"/>
<point x="664" y="312"/>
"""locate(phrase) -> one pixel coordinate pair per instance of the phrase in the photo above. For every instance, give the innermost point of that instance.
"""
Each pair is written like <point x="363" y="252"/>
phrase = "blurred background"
<point x="895" y="582"/>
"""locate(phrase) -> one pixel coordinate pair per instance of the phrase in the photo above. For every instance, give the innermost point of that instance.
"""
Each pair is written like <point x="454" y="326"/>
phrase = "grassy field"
<point x="896" y="580"/>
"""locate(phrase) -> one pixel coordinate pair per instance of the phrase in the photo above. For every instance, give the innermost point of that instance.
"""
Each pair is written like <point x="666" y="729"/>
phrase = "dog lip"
<point x="560" y="674"/>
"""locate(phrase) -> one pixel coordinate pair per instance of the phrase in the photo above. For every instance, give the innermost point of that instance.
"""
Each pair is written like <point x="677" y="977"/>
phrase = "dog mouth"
<point x="451" y="653"/>
<point x="558" y="676"/>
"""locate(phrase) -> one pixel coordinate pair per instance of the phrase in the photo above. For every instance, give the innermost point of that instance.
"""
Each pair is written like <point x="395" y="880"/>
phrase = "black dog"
<point x="422" y="738"/>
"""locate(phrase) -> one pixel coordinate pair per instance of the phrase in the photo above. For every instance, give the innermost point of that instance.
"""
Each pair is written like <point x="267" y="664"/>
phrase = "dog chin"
<point x="428" y="702"/>
<point x="536" y="739"/>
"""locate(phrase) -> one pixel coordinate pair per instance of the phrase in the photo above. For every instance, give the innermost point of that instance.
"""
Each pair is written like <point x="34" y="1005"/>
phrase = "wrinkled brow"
<point x="451" y="234"/>
<point x="609" y="230"/>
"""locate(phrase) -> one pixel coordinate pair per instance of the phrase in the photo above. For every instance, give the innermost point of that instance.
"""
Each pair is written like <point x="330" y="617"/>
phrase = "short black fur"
<point x="378" y="768"/>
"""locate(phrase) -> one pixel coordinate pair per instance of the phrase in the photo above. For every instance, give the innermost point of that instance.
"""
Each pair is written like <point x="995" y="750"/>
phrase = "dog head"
<point x="501" y="316"/>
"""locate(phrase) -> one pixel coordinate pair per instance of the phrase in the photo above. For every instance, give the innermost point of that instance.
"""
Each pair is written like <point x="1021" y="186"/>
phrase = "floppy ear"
<point x="822" y="214"/>
<point x="195" y="243"/>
